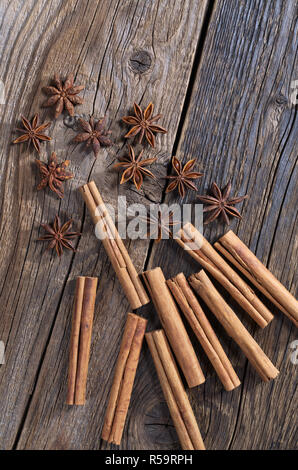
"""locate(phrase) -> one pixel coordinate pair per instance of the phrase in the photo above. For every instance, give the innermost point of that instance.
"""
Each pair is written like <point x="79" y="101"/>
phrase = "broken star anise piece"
<point x="32" y="132"/>
<point x="184" y="176"/>
<point x="143" y="124"/>
<point x="134" y="167"/>
<point x="220" y="204"/>
<point x="63" y="95"/>
<point x="58" y="237"/>
<point x="53" y="174"/>
<point x="94" y="134"/>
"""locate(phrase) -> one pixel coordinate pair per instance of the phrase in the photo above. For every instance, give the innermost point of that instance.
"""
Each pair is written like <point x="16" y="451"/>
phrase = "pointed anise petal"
<point x="138" y="179"/>
<point x="133" y="131"/>
<point x="212" y="216"/>
<point x="138" y="111"/>
<point x="216" y="191"/>
<point x="189" y="165"/>
<point x="226" y="191"/>
<point x="150" y="137"/>
<point x="148" y="112"/>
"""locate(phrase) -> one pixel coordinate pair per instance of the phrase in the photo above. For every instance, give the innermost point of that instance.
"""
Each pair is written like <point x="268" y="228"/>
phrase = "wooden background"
<point x="221" y="72"/>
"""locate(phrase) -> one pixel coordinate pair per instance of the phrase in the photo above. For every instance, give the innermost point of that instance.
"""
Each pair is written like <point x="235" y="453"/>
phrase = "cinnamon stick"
<point x="233" y="326"/>
<point x="180" y="409"/>
<point x="173" y="326"/>
<point x="200" y="325"/>
<point x="125" y="372"/>
<point x="81" y="339"/>
<point x="242" y="257"/>
<point x="114" y="247"/>
<point x="201" y="250"/>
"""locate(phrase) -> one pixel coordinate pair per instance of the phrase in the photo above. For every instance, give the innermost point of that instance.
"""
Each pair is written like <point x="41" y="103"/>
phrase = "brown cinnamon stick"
<point x="242" y="257"/>
<point x="174" y="392"/>
<point x="197" y="319"/>
<point x="173" y="326"/>
<point x="201" y="250"/>
<point x="81" y="339"/>
<point x="125" y="372"/>
<point x="233" y="326"/>
<point x="114" y="246"/>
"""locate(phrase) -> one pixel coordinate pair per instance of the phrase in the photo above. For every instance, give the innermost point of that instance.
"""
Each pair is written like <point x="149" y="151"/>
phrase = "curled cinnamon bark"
<point x="114" y="246"/>
<point x="200" y="325"/>
<point x="233" y="326"/>
<point x="200" y="249"/>
<point x="173" y="326"/>
<point x="174" y="392"/>
<point x="243" y="258"/>
<point x="81" y="339"/>
<point x="125" y="372"/>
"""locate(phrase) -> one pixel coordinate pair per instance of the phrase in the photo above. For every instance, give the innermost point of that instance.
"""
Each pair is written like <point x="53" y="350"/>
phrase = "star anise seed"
<point x="183" y="176"/>
<point x="63" y="95"/>
<point x="58" y="237"/>
<point x="94" y="134"/>
<point x="134" y="167"/>
<point x="220" y="204"/>
<point x="32" y="133"/>
<point x="143" y="124"/>
<point x="53" y="174"/>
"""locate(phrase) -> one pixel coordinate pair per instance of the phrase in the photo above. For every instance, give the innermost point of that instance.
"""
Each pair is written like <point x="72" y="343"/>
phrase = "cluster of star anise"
<point x="64" y="96"/>
<point x="143" y="125"/>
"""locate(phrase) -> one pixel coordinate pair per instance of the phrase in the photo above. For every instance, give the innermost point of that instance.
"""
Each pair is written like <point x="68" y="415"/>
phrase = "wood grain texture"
<point x="242" y="126"/>
<point x="235" y="115"/>
<point x="107" y="45"/>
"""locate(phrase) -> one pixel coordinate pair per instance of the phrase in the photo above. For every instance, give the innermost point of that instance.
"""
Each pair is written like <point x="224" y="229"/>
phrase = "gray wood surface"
<point x="221" y="75"/>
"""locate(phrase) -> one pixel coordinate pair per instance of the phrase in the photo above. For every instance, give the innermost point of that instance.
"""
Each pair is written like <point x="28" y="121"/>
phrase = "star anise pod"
<point x="160" y="226"/>
<point x="32" y="132"/>
<point x="58" y="237"/>
<point x="63" y="95"/>
<point x="53" y="174"/>
<point x="183" y="176"/>
<point x="220" y="204"/>
<point x="134" y="167"/>
<point x="143" y="124"/>
<point x="94" y="134"/>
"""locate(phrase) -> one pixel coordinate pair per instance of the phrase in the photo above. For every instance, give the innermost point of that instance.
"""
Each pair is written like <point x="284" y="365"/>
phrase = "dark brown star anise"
<point x="134" y="167"/>
<point x="32" y="132"/>
<point x="183" y="176"/>
<point x="94" y="134"/>
<point x="58" y="237"/>
<point x="220" y="204"/>
<point x="143" y="124"/>
<point x="63" y="95"/>
<point x="53" y="174"/>
<point x="160" y="226"/>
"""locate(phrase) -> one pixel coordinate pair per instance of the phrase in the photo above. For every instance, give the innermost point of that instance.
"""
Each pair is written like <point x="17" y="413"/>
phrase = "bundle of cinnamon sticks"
<point x="170" y="297"/>
<point x="114" y="247"/>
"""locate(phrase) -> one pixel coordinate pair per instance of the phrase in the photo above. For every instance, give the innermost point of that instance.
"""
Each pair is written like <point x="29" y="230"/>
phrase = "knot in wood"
<point x="140" y="62"/>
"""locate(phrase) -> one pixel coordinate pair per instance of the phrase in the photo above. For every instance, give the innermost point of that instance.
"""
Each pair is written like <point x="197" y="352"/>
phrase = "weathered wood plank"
<point x="121" y="51"/>
<point x="242" y="126"/>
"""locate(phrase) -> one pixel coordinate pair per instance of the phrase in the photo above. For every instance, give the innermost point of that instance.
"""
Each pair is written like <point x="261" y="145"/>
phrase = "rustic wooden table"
<point x="223" y="75"/>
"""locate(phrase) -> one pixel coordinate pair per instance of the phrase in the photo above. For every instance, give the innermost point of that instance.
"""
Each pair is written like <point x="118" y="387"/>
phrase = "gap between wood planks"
<point x="192" y="78"/>
<point x="186" y="103"/>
